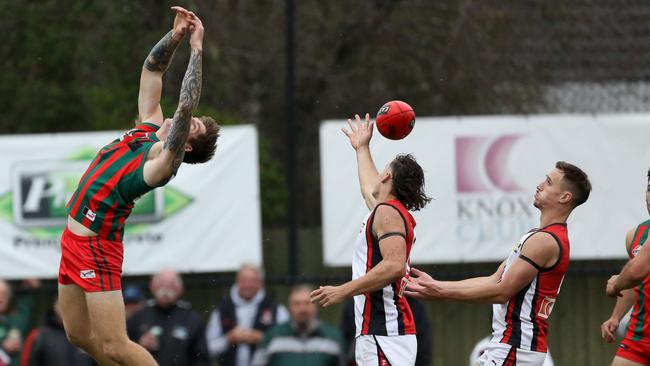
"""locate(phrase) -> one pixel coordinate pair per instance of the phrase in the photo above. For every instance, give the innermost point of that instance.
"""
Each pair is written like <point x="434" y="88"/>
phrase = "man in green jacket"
<point x="304" y="340"/>
<point x="16" y="320"/>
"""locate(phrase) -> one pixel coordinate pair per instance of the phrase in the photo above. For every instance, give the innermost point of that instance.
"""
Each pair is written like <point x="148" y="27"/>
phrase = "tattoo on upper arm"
<point x="188" y="100"/>
<point x="161" y="54"/>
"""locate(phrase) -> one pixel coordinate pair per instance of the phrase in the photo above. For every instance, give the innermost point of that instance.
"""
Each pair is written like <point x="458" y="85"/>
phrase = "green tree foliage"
<point x="74" y="66"/>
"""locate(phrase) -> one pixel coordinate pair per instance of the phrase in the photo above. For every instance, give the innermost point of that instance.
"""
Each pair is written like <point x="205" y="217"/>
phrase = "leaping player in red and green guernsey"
<point x="632" y="287"/>
<point x="144" y="158"/>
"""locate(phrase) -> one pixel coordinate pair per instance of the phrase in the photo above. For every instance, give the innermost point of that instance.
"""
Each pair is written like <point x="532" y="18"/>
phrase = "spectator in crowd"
<point x="304" y="340"/>
<point x="168" y="327"/>
<point x="238" y="325"/>
<point x="15" y="319"/>
<point x="423" y="326"/>
<point x="133" y="299"/>
<point x="49" y="346"/>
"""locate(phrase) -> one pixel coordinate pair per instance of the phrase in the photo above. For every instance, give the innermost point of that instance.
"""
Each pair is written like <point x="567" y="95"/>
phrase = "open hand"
<point x="359" y="133"/>
<point x="423" y="286"/>
<point x="328" y="295"/>
<point x="182" y="22"/>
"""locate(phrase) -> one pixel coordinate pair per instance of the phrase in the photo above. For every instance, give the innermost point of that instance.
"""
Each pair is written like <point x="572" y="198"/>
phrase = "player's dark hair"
<point x="408" y="182"/>
<point x="203" y="145"/>
<point x="576" y="181"/>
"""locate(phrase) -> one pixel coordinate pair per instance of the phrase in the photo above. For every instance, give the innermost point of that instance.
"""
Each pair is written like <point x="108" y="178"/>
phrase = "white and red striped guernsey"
<point x="384" y="312"/>
<point x="522" y="322"/>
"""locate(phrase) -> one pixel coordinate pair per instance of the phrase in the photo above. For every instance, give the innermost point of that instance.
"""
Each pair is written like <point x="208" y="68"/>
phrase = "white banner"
<point x="206" y="219"/>
<point x="482" y="172"/>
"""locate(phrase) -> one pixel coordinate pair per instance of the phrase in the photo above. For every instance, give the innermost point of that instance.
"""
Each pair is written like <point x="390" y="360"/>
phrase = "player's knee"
<point x="115" y="349"/>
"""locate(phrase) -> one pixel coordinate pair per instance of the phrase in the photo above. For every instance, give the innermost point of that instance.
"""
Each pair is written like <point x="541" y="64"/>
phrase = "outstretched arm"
<point x="154" y="67"/>
<point x="165" y="166"/>
<point x="391" y="233"/>
<point x="540" y="251"/>
<point x="360" y="134"/>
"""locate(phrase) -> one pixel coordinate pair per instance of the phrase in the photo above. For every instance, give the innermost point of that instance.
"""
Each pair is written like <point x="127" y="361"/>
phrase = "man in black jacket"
<point x="168" y="327"/>
<point x="49" y="346"/>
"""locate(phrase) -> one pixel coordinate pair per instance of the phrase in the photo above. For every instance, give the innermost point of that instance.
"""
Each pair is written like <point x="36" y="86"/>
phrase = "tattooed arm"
<point x="158" y="170"/>
<point x="154" y="66"/>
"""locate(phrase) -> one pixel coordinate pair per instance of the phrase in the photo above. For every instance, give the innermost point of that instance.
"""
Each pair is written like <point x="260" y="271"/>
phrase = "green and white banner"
<point x="482" y="173"/>
<point x="206" y="219"/>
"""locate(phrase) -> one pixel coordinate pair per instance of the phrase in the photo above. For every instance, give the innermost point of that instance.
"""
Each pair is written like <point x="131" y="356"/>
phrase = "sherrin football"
<point x="395" y="120"/>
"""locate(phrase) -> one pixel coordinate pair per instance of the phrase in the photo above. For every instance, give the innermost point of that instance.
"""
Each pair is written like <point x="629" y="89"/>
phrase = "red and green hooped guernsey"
<point x="638" y="328"/>
<point x="114" y="180"/>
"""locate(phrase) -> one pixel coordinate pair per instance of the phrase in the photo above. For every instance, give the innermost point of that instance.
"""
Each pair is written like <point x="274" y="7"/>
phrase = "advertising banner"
<point x="482" y="173"/>
<point x="205" y="219"/>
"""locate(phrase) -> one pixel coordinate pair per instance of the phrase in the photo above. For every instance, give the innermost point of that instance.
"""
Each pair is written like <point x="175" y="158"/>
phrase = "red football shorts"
<point x="634" y="351"/>
<point x="91" y="263"/>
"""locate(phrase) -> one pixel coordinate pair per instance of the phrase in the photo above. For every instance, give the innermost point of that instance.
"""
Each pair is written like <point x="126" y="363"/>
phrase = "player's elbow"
<point x="637" y="272"/>
<point x="501" y="298"/>
<point x="502" y="295"/>
<point x="394" y="270"/>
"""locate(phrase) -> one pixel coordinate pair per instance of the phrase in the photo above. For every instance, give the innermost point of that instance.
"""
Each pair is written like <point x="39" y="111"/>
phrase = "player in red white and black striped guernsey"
<point x="380" y="267"/>
<point x="527" y="284"/>
<point x="632" y="286"/>
<point x="146" y="157"/>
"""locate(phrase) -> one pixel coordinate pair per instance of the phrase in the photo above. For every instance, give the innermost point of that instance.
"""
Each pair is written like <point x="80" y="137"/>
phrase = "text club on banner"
<point x="482" y="173"/>
<point x="205" y="219"/>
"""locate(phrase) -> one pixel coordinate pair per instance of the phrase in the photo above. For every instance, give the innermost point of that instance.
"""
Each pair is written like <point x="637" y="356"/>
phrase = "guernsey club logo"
<point x="482" y="164"/>
<point x="40" y="191"/>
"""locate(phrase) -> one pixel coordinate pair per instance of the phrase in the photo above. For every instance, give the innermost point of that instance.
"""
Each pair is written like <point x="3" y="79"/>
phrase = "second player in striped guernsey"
<point x="524" y="289"/>
<point x="385" y="330"/>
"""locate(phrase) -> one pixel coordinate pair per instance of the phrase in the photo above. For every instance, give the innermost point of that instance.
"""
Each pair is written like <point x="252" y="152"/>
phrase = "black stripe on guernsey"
<point x="400" y="315"/>
<point x="108" y="271"/>
<point x="559" y="258"/>
<point x="537" y="267"/>
<point x="388" y="235"/>
<point x="533" y="316"/>
<point x="99" y="268"/>
<point x="377" y="324"/>
<point x="515" y="339"/>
